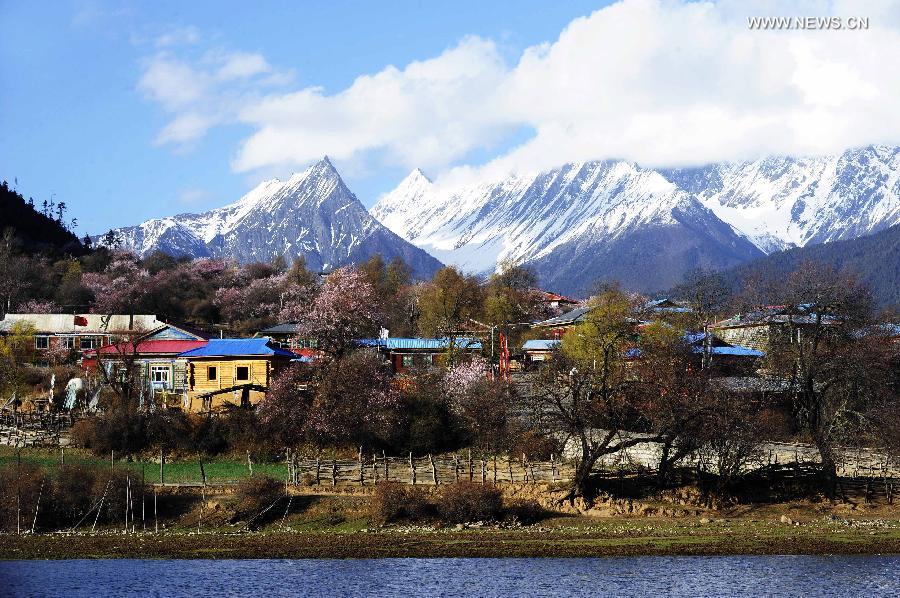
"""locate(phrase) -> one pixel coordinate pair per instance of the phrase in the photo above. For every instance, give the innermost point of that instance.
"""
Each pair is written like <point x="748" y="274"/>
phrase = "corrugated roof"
<point x="236" y="347"/>
<point x="96" y="323"/>
<point x="540" y="345"/>
<point x="570" y="317"/>
<point x="440" y="344"/>
<point x="283" y="328"/>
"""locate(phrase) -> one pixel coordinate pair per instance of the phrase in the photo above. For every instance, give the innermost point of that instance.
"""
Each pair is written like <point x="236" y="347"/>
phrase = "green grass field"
<point x="218" y="470"/>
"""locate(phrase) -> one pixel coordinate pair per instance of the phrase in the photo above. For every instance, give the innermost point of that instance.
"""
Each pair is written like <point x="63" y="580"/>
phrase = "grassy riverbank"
<point x="564" y="537"/>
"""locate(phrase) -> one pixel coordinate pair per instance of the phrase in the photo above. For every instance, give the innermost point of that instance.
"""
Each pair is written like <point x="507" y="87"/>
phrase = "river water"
<point x="642" y="576"/>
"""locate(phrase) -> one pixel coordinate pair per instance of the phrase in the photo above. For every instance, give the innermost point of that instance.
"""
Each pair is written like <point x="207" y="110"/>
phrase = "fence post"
<point x="162" y="466"/>
<point x="249" y="463"/>
<point x="483" y="473"/>
<point x="552" y="468"/>
<point x="456" y="467"/>
<point x="412" y="469"/>
<point x="289" y="464"/>
<point x="374" y="468"/>
<point x="470" y="465"/>
<point x="362" y="481"/>
<point x="495" y="470"/>
<point x="387" y="477"/>
<point x="434" y="475"/>
<point x="509" y="468"/>
<point x="318" y="471"/>
<point x="333" y="472"/>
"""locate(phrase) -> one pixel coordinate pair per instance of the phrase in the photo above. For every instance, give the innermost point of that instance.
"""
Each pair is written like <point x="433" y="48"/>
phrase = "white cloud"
<point x="429" y="113"/>
<point x="659" y="82"/>
<point x="206" y="90"/>
<point x="178" y="36"/>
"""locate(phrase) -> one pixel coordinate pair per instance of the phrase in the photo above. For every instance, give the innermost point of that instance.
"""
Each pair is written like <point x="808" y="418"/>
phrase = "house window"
<point x="212" y="373"/>
<point x="89" y="342"/>
<point x="68" y="342"/>
<point x="42" y="342"/>
<point x="407" y="361"/>
<point x="159" y="376"/>
<point x="242" y="373"/>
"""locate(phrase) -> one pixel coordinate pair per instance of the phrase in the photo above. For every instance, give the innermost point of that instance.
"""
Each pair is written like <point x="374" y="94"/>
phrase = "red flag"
<point x="81" y="321"/>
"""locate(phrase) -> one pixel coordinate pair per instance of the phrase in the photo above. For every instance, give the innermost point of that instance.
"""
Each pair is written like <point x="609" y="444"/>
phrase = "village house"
<point x="667" y="306"/>
<point x="766" y="328"/>
<point x="554" y="303"/>
<point x="404" y="354"/>
<point x="160" y="372"/>
<point x="77" y="333"/>
<point x="286" y="336"/>
<point x="536" y="351"/>
<point x="232" y="372"/>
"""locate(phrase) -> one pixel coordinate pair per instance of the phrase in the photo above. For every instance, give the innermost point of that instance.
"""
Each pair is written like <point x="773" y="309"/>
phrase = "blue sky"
<point x="76" y="125"/>
<point x="129" y="110"/>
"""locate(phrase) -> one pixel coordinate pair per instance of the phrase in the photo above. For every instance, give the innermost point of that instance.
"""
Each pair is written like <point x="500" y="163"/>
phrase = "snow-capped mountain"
<point x="312" y="214"/>
<point x="787" y="202"/>
<point x="617" y="220"/>
<point x="575" y="224"/>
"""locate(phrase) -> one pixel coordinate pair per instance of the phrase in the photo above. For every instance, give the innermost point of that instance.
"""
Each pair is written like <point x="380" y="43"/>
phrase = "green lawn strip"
<point x="218" y="470"/>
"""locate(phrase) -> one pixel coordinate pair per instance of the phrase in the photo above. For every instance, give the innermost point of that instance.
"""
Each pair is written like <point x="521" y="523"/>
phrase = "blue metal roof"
<point x="438" y="344"/>
<point x="733" y="350"/>
<point x="236" y="347"/>
<point x="540" y="345"/>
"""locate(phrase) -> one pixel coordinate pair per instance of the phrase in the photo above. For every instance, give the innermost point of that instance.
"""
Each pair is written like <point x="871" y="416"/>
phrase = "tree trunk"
<point x="662" y="473"/>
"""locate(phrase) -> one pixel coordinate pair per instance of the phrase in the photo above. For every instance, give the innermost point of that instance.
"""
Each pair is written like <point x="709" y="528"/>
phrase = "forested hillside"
<point x="36" y="228"/>
<point x="875" y="259"/>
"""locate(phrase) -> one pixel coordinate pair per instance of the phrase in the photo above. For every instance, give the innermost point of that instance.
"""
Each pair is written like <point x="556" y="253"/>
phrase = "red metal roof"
<point x="154" y="347"/>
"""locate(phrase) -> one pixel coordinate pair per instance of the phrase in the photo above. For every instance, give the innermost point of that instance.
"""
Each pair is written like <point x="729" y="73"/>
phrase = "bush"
<point x="397" y="502"/>
<point x="122" y="430"/>
<point x="464" y="502"/>
<point x="525" y="511"/>
<point x="20" y="486"/>
<point x="169" y="430"/>
<point x="255" y="495"/>
<point x="209" y="435"/>
<point x="83" y="432"/>
<point x="73" y="493"/>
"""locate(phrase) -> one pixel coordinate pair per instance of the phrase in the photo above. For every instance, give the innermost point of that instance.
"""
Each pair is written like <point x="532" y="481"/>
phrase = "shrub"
<point x="209" y="435"/>
<point x="83" y="432"/>
<point x="73" y="493"/>
<point x="170" y="430"/>
<point x="20" y="486"/>
<point x="466" y="501"/>
<point x="393" y="501"/>
<point x="525" y="511"/>
<point x="255" y="495"/>
<point x="121" y="430"/>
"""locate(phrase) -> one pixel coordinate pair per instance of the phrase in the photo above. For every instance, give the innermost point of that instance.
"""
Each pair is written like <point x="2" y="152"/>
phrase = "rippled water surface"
<point x="645" y="576"/>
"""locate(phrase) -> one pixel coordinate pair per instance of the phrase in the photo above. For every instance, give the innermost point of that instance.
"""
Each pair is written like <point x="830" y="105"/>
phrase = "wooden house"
<point x="232" y="371"/>
<point x="404" y="354"/>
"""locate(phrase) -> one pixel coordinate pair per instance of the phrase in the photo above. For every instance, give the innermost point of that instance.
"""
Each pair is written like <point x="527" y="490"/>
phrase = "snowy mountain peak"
<point x="312" y="214"/>
<point x="567" y="220"/>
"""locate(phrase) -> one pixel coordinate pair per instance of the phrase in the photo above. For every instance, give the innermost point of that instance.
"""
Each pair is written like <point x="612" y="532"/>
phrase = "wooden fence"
<point x="426" y="470"/>
<point x="34" y="429"/>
